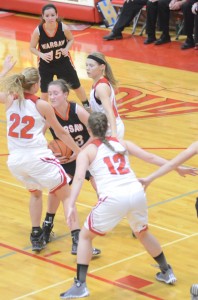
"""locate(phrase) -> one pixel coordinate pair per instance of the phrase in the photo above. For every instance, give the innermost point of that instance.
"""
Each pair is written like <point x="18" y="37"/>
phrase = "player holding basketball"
<point x="54" y="40"/>
<point x="73" y="118"/>
<point x="120" y="195"/>
<point x="30" y="160"/>
<point x="102" y="95"/>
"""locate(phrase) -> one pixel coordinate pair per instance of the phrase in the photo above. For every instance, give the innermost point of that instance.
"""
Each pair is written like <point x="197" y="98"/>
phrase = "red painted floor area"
<point x="134" y="281"/>
<point x="130" y="48"/>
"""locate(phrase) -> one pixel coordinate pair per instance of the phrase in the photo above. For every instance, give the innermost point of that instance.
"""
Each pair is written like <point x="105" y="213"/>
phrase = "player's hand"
<point x="8" y="63"/>
<point x="64" y="52"/>
<point x="72" y="158"/>
<point x="71" y="215"/>
<point x="47" y="56"/>
<point x="195" y="8"/>
<point x="175" y="5"/>
<point x="145" y="182"/>
<point x="183" y="171"/>
<point x="196" y="206"/>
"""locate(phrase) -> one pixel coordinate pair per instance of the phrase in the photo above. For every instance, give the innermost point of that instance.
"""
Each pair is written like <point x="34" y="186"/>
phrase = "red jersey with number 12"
<point x="111" y="170"/>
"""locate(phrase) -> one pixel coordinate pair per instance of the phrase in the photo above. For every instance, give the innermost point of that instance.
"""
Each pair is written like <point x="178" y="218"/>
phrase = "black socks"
<point x="82" y="272"/>
<point x="161" y="260"/>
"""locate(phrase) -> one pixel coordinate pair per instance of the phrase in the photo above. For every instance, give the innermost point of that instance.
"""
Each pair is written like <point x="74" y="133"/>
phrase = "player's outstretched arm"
<point x="173" y="164"/>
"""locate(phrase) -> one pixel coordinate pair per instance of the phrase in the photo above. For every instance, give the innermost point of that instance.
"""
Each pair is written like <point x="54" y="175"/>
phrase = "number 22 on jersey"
<point x="28" y="121"/>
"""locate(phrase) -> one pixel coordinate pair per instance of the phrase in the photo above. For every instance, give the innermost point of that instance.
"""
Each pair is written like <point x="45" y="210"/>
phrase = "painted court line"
<point x="166" y="229"/>
<point x="95" y="270"/>
<point x="114" y="283"/>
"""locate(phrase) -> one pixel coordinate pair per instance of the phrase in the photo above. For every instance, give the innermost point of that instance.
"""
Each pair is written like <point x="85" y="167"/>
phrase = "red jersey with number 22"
<point x="25" y="125"/>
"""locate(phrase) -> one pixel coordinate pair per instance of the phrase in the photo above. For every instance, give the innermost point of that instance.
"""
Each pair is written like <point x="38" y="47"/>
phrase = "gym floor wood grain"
<point x="158" y="102"/>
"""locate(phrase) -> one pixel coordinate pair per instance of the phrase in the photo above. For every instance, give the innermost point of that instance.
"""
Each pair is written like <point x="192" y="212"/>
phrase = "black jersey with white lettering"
<point x="78" y="132"/>
<point x="72" y="123"/>
<point x="52" y="43"/>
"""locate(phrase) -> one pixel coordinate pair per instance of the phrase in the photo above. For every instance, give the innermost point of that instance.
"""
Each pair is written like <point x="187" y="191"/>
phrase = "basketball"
<point x="57" y="146"/>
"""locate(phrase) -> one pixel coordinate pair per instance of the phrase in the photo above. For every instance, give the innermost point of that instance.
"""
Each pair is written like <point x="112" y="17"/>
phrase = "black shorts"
<point x="63" y="70"/>
<point x="71" y="168"/>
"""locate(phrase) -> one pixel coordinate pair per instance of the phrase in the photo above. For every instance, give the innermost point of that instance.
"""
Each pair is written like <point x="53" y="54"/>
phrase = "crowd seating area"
<point x="67" y="11"/>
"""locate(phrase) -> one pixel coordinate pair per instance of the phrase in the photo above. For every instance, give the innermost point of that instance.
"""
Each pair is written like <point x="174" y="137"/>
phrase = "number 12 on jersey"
<point x="116" y="164"/>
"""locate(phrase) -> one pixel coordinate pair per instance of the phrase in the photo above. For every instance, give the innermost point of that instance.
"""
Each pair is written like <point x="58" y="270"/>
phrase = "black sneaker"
<point x="38" y="242"/>
<point x="194" y="291"/>
<point x="163" y="40"/>
<point x="113" y="36"/>
<point x="189" y="43"/>
<point x="47" y="231"/>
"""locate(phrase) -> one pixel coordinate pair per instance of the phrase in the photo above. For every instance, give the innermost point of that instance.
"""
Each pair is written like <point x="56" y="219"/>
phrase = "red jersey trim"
<point x="98" y="142"/>
<point x="101" y="80"/>
<point x="31" y="97"/>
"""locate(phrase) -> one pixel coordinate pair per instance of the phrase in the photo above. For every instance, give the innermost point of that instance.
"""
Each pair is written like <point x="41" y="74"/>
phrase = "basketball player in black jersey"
<point x="73" y="118"/>
<point x="51" y="42"/>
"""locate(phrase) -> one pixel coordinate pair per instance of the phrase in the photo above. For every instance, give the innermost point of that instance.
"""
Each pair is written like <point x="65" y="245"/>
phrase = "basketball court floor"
<point x="158" y="102"/>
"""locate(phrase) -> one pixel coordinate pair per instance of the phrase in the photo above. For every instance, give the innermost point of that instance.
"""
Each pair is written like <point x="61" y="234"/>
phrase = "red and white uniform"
<point x="120" y="193"/>
<point x="96" y="106"/>
<point x="30" y="160"/>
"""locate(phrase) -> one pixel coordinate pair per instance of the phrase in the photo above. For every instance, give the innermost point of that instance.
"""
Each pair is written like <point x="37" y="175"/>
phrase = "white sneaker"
<point x="194" y="292"/>
<point x="167" y="277"/>
<point x="78" y="290"/>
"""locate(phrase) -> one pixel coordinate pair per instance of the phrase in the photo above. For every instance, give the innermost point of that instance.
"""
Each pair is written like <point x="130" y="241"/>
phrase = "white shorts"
<point x="37" y="169"/>
<point x="119" y="128"/>
<point x="110" y="210"/>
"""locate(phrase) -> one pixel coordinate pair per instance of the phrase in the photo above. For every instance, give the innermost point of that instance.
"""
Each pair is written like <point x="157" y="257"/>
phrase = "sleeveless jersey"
<point x="25" y="125"/>
<point x="111" y="171"/>
<point x="96" y="104"/>
<point x="72" y="123"/>
<point x="52" y="43"/>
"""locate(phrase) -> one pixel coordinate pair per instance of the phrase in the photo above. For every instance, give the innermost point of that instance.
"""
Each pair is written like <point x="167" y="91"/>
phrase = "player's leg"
<point x="52" y="206"/>
<point x="153" y="247"/>
<point x="35" y="208"/>
<point x="68" y="72"/>
<point x="138" y="219"/>
<point x="46" y="77"/>
<point x="84" y="255"/>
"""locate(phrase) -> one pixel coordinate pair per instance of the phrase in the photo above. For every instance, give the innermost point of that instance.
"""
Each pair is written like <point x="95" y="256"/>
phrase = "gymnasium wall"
<point x="79" y="11"/>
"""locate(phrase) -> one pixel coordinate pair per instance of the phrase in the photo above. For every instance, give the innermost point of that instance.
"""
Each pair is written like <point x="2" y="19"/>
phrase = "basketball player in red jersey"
<point x="30" y="160"/>
<point x="102" y="95"/>
<point x="54" y="40"/>
<point x="120" y="195"/>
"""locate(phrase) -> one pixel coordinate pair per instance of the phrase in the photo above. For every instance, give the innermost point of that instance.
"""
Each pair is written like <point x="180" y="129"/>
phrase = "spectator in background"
<point x="188" y="24"/>
<point x="161" y="10"/>
<point x="128" y="12"/>
<point x="195" y="11"/>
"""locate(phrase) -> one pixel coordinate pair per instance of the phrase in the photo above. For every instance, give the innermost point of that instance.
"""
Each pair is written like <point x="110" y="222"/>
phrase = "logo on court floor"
<point x="134" y="104"/>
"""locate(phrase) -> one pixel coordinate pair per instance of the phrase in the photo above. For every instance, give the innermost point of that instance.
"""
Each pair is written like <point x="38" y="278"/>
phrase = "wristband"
<point x="86" y="104"/>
